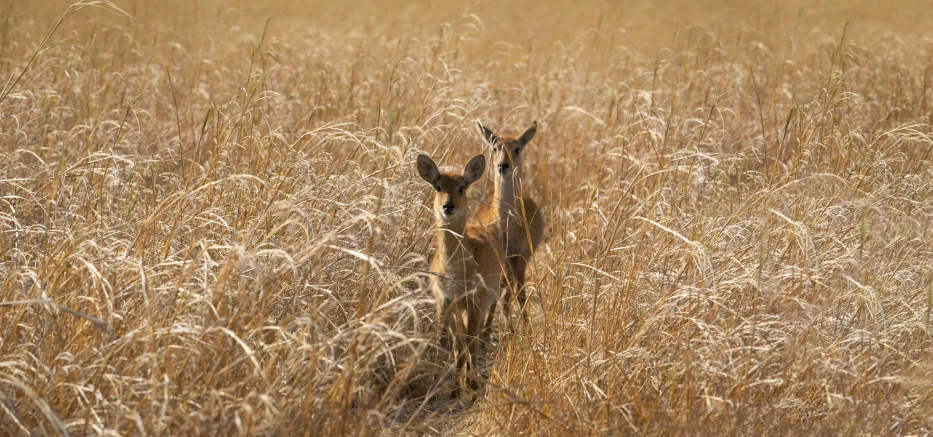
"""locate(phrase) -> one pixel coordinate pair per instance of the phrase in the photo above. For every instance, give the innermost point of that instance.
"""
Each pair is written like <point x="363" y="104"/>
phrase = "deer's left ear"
<point x="474" y="169"/>
<point x="488" y="134"/>
<point x="528" y="134"/>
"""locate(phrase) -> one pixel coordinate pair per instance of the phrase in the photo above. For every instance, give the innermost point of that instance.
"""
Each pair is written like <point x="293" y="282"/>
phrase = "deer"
<point x="466" y="266"/>
<point x="516" y="218"/>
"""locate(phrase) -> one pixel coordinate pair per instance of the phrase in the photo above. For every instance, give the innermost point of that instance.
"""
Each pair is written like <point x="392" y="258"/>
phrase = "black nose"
<point x="449" y="208"/>
<point x="503" y="167"/>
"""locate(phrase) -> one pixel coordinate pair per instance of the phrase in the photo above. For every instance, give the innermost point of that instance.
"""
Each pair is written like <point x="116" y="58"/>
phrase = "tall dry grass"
<point x="211" y="223"/>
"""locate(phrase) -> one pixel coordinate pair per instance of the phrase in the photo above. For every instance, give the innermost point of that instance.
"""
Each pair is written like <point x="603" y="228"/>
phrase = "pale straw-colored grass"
<point x="211" y="223"/>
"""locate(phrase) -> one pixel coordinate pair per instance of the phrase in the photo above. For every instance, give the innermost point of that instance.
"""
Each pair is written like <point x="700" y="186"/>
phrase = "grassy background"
<point x="211" y="222"/>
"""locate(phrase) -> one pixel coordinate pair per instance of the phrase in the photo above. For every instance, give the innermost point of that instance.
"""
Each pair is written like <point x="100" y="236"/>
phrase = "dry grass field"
<point x="212" y="223"/>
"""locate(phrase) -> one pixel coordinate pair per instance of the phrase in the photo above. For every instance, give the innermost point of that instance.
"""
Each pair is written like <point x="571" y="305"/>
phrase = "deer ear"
<point x="428" y="169"/>
<point x="489" y="135"/>
<point x="529" y="134"/>
<point x="474" y="169"/>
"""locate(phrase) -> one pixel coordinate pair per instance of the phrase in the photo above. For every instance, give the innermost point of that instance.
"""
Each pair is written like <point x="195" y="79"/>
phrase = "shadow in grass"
<point x="425" y="404"/>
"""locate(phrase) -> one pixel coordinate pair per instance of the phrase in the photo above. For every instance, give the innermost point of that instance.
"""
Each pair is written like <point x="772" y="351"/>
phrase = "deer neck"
<point x="506" y="194"/>
<point x="450" y="239"/>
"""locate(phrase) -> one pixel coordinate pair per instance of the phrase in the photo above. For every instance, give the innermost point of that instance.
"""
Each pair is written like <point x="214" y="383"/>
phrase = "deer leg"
<point x="464" y="335"/>
<point x="506" y="287"/>
<point x="463" y="357"/>
<point x="519" y="264"/>
<point x="487" y="326"/>
<point x="444" y="324"/>
<point x="474" y="326"/>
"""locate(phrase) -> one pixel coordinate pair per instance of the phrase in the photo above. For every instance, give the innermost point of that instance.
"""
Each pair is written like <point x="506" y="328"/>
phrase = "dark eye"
<point x="437" y="188"/>
<point x="460" y="190"/>
<point x="495" y="149"/>
<point x="517" y="150"/>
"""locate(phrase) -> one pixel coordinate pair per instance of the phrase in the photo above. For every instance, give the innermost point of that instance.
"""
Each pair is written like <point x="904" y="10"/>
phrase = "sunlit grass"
<point x="212" y="223"/>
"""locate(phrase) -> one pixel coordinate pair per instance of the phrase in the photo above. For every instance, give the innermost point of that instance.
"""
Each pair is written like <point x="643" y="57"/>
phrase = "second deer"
<point x="515" y="216"/>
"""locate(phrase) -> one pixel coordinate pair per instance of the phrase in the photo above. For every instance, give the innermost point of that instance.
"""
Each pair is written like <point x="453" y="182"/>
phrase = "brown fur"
<point x="466" y="266"/>
<point x="514" y="214"/>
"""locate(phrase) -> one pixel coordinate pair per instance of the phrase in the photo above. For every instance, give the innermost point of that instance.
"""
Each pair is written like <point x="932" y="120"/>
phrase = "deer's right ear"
<point x="428" y="169"/>
<point x="489" y="135"/>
